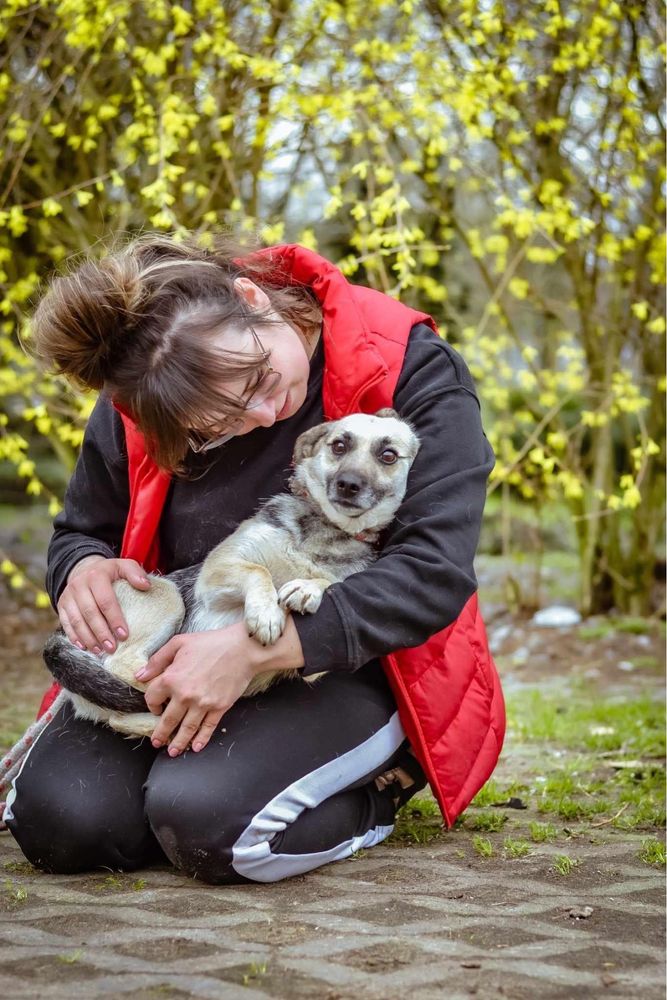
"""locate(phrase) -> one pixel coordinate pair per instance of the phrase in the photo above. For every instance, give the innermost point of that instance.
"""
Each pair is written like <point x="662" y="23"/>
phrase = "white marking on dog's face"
<point x="356" y="469"/>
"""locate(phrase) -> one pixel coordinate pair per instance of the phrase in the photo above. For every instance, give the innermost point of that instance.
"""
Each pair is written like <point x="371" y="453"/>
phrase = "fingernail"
<point x="173" y="752"/>
<point x="197" y="747"/>
<point x="121" y="633"/>
<point x="96" y="650"/>
<point x="79" y="645"/>
<point x="141" y="674"/>
<point x="109" y="645"/>
<point x="157" y="744"/>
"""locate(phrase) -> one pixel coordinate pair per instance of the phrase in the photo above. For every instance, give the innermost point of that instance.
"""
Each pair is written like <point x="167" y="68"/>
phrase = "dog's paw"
<point x="266" y="624"/>
<point x="304" y="596"/>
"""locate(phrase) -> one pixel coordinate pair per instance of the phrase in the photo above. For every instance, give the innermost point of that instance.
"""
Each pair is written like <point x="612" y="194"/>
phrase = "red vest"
<point x="447" y="690"/>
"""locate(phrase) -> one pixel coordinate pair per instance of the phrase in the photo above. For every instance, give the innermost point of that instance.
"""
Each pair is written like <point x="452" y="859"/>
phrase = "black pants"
<point x="285" y="785"/>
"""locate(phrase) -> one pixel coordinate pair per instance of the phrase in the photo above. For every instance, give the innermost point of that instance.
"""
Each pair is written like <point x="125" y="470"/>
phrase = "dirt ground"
<point x="559" y="899"/>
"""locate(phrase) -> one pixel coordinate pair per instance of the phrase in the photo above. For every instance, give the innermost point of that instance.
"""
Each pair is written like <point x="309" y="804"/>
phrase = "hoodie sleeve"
<point x="424" y="575"/>
<point x="84" y="527"/>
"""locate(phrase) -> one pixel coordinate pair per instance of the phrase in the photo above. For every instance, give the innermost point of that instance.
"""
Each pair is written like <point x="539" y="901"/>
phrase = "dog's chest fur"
<point x="290" y="539"/>
<point x="301" y="542"/>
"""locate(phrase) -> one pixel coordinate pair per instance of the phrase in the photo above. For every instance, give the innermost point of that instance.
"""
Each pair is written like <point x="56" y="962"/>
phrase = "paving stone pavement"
<point x="425" y="921"/>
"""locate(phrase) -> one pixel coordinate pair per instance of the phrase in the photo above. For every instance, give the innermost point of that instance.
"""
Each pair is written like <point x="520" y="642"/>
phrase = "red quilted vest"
<point x="447" y="690"/>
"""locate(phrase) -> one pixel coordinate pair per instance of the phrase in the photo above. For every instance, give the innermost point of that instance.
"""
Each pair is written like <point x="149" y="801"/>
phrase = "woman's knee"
<point x="195" y="827"/>
<point x="219" y="833"/>
<point x="61" y="832"/>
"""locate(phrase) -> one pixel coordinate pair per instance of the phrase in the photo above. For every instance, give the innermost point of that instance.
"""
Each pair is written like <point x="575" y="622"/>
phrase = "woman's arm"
<point x="83" y="555"/>
<point x="96" y="501"/>
<point x="425" y="574"/>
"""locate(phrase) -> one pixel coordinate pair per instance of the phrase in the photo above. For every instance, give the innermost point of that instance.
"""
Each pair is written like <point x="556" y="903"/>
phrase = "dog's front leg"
<point x="263" y="616"/>
<point x="304" y="596"/>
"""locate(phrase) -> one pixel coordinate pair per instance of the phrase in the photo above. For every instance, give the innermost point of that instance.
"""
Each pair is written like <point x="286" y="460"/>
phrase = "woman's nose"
<point x="264" y="415"/>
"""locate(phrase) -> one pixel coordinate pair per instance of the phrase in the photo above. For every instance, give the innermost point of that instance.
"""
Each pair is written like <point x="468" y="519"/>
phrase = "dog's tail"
<point x="82" y="673"/>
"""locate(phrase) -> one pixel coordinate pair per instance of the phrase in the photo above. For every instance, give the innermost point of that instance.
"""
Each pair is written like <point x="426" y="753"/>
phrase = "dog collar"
<point x="367" y="535"/>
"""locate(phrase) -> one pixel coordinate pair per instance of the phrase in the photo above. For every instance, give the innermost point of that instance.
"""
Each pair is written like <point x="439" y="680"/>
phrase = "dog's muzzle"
<point x="351" y="491"/>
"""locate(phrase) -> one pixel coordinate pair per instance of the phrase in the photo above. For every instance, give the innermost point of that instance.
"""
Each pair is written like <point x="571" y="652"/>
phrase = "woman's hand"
<point x="200" y="675"/>
<point x="88" y="609"/>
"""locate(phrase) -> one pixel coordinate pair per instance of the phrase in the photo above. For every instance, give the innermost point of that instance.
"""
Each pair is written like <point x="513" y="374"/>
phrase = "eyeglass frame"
<point x="200" y="448"/>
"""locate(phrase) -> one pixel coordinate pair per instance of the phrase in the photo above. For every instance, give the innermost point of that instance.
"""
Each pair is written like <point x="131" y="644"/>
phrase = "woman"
<point x="210" y="365"/>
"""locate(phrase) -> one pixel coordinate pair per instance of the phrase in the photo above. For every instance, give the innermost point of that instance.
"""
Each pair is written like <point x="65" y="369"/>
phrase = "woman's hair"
<point x="140" y="323"/>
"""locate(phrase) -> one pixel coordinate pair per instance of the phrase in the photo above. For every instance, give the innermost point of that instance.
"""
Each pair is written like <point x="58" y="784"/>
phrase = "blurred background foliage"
<point x="499" y="164"/>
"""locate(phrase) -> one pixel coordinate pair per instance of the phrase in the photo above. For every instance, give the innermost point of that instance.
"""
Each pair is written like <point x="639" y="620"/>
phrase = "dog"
<point x="349" y="478"/>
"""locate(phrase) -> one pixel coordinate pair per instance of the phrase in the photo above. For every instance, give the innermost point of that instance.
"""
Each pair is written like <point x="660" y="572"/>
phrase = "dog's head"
<point x="356" y="469"/>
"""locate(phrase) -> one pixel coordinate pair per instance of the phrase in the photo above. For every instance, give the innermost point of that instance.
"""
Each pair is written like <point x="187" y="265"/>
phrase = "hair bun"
<point x="82" y="321"/>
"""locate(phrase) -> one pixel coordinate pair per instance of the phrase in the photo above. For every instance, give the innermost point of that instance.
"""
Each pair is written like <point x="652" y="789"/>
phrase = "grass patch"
<point x="580" y="719"/>
<point x="490" y="821"/>
<point x="492" y="792"/>
<point x="70" y="958"/>
<point x="418" y="822"/>
<point x="110" y="883"/>
<point x="646" y="662"/>
<point x="653" y="852"/>
<point x="16" y="893"/>
<point x="541" y="832"/>
<point x="516" y="848"/>
<point x="600" y="760"/>
<point x="587" y="789"/>
<point x="19" y="867"/>
<point x="634" y="626"/>
<point x="564" y="865"/>
<point x="255" y="972"/>
<point x="483" y="846"/>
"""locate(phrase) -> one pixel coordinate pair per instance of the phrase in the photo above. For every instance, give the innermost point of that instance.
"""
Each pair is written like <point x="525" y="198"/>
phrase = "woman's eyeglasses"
<point x="262" y="390"/>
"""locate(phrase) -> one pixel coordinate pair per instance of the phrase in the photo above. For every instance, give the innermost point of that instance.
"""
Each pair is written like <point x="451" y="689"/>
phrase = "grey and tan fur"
<point x="349" y="479"/>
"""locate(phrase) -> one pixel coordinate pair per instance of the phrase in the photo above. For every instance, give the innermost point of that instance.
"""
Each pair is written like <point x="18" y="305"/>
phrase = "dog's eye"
<point x="389" y="456"/>
<point x="338" y="447"/>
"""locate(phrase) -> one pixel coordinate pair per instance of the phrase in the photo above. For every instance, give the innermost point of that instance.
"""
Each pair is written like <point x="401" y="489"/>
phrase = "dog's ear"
<point x="387" y="412"/>
<point x="306" y="443"/>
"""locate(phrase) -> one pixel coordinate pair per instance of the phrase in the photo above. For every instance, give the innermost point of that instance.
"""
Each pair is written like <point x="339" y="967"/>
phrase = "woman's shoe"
<point x="404" y="779"/>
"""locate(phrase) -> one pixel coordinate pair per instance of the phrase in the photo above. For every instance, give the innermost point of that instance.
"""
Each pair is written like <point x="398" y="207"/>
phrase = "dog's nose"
<point x="348" y="486"/>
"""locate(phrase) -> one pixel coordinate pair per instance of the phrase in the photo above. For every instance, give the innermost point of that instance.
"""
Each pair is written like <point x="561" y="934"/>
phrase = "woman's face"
<point x="289" y="355"/>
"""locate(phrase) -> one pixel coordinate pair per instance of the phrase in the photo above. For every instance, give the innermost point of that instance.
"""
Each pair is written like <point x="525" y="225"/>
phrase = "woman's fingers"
<point x="75" y="625"/>
<point x="177" y="716"/>
<point x="159" y="661"/>
<point x="134" y="573"/>
<point x="89" y="610"/>
<point x="105" y="598"/>
<point x="196" y="728"/>
<point x="68" y="629"/>
<point x="206" y="730"/>
<point x="190" y="725"/>
<point x="96" y="623"/>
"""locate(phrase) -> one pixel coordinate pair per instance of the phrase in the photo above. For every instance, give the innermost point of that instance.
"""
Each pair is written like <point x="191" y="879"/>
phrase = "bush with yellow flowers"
<point x="499" y="164"/>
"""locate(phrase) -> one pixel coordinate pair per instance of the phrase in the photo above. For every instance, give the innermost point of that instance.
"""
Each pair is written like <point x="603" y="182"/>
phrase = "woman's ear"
<point x="252" y="294"/>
